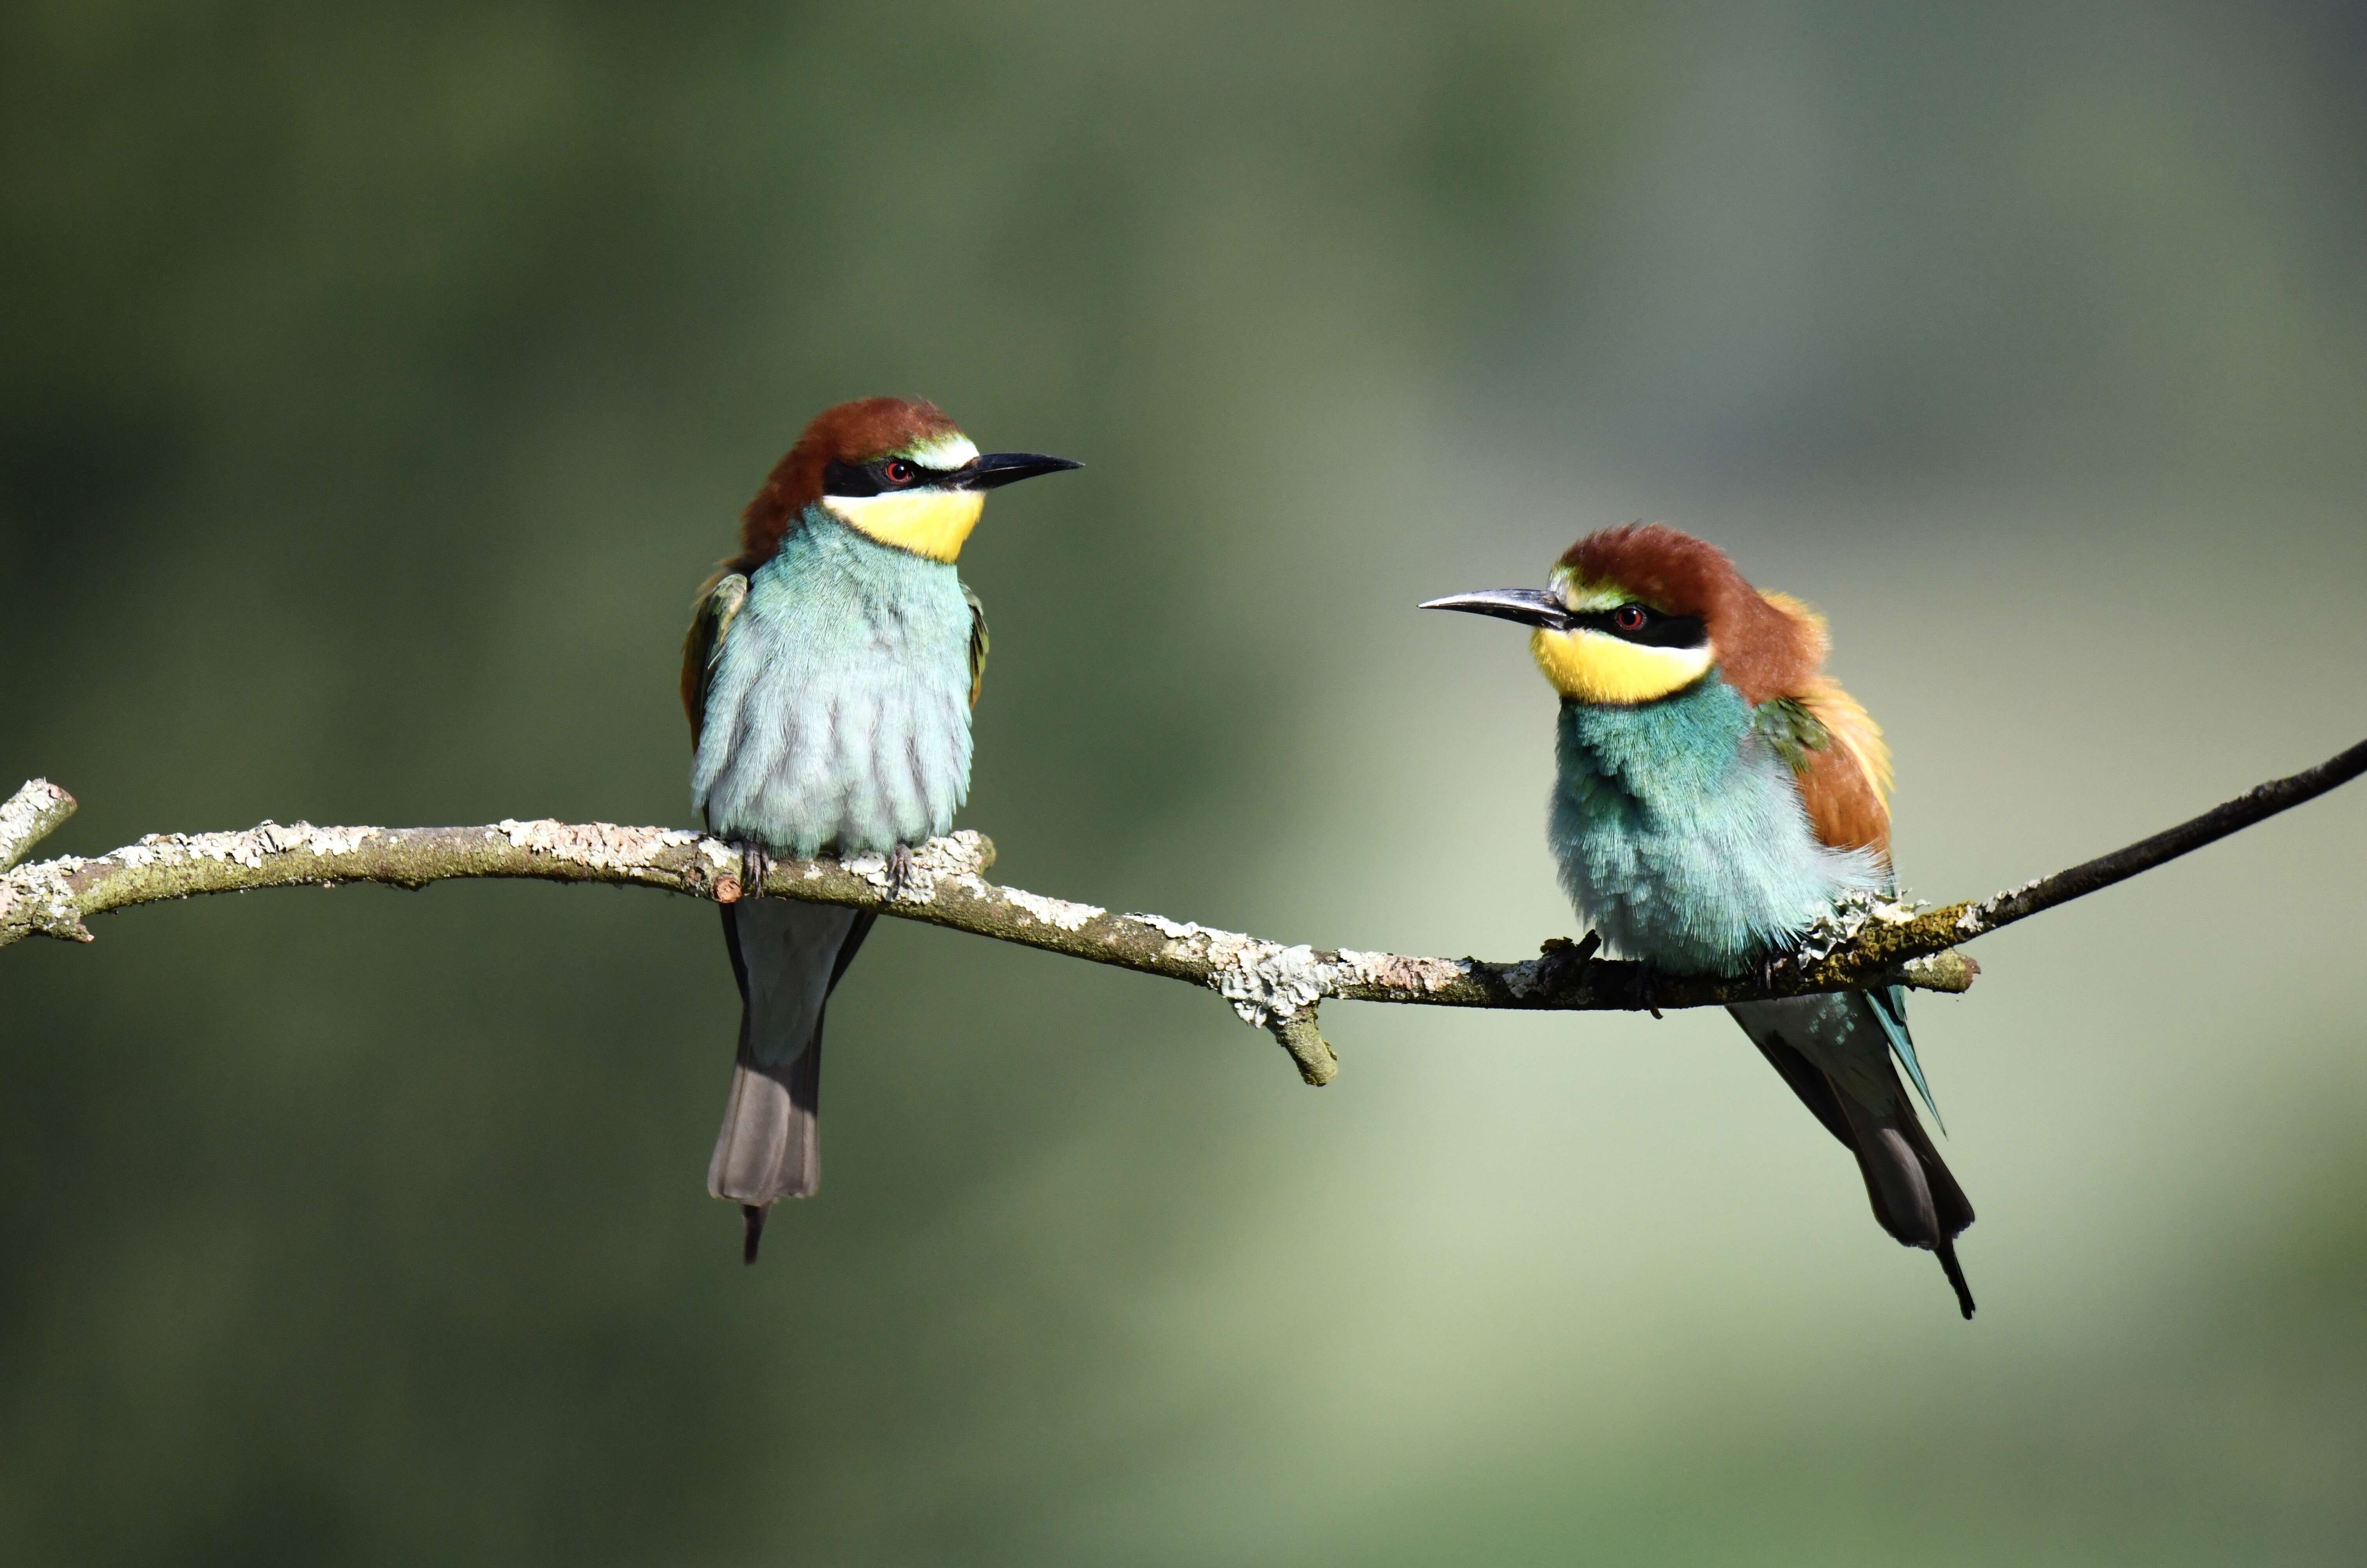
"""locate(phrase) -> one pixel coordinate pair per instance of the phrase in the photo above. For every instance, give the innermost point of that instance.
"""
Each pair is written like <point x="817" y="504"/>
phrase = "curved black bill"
<point x="991" y="471"/>
<point x="1530" y="606"/>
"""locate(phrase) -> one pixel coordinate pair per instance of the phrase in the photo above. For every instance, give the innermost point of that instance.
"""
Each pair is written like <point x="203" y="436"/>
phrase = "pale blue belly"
<point x="839" y="713"/>
<point x="1680" y="833"/>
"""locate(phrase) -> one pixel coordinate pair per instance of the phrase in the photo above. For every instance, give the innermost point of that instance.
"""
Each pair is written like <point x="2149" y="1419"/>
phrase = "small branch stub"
<point x="29" y="817"/>
<point x="1318" y="1062"/>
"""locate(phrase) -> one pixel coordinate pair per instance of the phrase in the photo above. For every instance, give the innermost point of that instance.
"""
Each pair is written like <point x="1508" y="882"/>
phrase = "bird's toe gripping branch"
<point x="756" y="863"/>
<point x="901" y="874"/>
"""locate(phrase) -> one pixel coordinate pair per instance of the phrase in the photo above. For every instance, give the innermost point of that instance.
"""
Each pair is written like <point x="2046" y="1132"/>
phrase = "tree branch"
<point x="1268" y="984"/>
<point x="1932" y="932"/>
<point x="29" y="817"/>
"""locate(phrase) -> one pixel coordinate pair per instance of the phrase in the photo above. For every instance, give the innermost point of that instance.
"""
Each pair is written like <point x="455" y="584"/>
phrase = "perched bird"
<point x="1715" y="793"/>
<point x="829" y="675"/>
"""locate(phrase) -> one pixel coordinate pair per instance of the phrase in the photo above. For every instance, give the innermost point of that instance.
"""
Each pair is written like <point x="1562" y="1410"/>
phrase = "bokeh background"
<point x="377" y="384"/>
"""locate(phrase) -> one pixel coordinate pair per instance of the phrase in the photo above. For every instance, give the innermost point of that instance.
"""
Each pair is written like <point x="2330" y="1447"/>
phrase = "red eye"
<point x="1628" y="617"/>
<point x="895" y="470"/>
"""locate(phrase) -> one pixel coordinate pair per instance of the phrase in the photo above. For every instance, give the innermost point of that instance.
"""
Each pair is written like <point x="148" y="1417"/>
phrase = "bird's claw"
<point x="1648" y="993"/>
<point x="755" y="864"/>
<point x="900" y="872"/>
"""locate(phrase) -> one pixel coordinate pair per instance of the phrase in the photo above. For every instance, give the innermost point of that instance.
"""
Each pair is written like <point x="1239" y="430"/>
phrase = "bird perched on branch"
<point x="829" y="675"/>
<point x="1716" y="793"/>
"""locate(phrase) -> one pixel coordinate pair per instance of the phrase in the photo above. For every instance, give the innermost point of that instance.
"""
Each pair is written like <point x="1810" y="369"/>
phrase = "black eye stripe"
<point x="870" y="479"/>
<point x="1658" y="632"/>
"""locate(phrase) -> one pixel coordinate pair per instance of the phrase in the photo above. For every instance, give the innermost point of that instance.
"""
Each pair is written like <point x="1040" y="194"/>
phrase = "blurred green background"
<point x="377" y="385"/>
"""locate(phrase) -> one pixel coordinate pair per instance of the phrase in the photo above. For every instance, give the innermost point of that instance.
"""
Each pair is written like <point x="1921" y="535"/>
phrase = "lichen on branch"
<point x="1273" y="986"/>
<point x="29" y="817"/>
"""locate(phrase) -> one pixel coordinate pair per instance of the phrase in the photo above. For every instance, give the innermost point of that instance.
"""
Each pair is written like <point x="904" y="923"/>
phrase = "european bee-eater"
<point x="1715" y="794"/>
<point x="829" y="675"/>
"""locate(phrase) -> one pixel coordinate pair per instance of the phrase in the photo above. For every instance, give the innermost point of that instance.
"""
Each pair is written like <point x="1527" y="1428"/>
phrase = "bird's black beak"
<point x="1530" y="606"/>
<point x="991" y="471"/>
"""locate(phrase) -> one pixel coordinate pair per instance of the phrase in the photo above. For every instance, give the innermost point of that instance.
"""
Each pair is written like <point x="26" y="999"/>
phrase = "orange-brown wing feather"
<point x="1846" y="785"/>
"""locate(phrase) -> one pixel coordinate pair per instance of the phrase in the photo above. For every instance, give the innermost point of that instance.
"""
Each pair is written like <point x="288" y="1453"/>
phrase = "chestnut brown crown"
<point x="1767" y="647"/>
<point x="858" y="432"/>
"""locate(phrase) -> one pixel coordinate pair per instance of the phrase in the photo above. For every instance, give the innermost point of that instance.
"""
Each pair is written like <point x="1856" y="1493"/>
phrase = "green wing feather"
<point x="703" y="645"/>
<point x="1793" y="730"/>
<point x="976" y="643"/>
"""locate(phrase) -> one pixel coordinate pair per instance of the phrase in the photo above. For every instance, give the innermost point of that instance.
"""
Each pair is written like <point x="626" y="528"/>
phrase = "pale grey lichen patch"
<point x="1264" y="981"/>
<point x="246" y="848"/>
<point x="335" y="840"/>
<point x="41" y="898"/>
<point x="1056" y="913"/>
<point x="601" y="845"/>
<point x="961" y="853"/>
<point x="1949" y="971"/>
<point x="319" y="840"/>
<point x="719" y="855"/>
<point x="1977" y="918"/>
<point x="29" y="817"/>
<point x="1846" y="919"/>
<point x="1399" y="972"/>
<point x="1190" y="941"/>
<point x="32" y="797"/>
<point x="957" y="858"/>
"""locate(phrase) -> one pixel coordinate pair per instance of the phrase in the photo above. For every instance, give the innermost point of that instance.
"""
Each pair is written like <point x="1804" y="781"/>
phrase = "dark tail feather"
<point x="1914" y="1195"/>
<point x="1955" y="1273"/>
<point x="1950" y="1206"/>
<point x="787" y="956"/>
<point x="1806" y="1080"/>
<point x="770" y="1146"/>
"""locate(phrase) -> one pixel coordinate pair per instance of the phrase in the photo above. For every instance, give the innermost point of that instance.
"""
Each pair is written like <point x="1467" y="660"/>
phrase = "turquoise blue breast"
<point x="839" y="713"/>
<point x="1680" y="833"/>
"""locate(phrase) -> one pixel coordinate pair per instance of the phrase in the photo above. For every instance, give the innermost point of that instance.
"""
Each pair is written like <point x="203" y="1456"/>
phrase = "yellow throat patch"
<point x="927" y="522"/>
<point x="1594" y="667"/>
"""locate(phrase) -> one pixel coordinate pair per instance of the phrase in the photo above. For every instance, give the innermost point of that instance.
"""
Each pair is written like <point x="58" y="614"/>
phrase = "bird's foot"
<point x="756" y="863"/>
<point x="900" y="872"/>
<point x="1770" y="970"/>
<point x="1648" y="991"/>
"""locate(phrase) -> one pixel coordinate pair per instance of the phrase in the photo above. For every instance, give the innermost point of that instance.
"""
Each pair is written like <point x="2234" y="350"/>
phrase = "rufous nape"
<point x="1717" y="796"/>
<point x="830" y="675"/>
